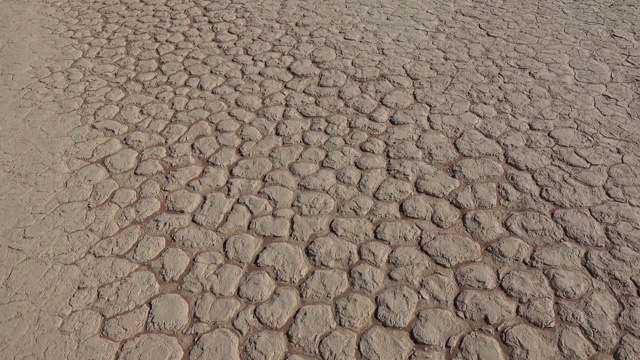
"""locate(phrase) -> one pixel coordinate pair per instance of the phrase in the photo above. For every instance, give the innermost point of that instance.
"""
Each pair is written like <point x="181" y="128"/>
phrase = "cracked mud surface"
<point x="339" y="180"/>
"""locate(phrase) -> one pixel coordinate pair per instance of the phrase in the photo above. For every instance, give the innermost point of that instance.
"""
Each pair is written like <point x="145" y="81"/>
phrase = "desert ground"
<point x="334" y="180"/>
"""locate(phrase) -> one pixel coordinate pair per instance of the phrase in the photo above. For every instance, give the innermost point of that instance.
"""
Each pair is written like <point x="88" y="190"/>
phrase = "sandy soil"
<point x="339" y="180"/>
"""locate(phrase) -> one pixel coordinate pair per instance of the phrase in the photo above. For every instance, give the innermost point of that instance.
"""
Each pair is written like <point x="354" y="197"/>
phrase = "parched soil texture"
<point x="330" y="179"/>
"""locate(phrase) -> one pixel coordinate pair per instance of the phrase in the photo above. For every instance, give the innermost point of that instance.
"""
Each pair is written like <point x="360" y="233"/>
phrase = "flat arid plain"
<point x="334" y="180"/>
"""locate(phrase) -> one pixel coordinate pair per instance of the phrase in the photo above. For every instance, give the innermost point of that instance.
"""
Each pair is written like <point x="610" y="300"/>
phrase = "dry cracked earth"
<point x="335" y="180"/>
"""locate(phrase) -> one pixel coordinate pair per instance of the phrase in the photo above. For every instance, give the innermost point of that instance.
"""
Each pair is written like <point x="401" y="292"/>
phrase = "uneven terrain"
<point x="335" y="180"/>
